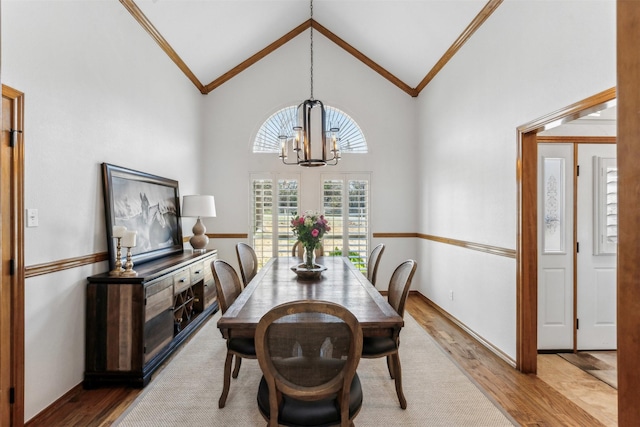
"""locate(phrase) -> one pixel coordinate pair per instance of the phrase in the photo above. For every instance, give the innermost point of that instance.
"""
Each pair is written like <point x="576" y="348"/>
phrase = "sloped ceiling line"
<point x="482" y="16"/>
<point x="135" y="11"/>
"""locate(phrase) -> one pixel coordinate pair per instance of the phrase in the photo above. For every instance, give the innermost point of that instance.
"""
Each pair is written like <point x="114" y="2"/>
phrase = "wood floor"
<point x="560" y="395"/>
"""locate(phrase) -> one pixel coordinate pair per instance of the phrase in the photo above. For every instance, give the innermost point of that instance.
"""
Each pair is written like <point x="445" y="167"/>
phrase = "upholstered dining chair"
<point x="248" y="262"/>
<point x="298" y="250"/>
<point x="308" y="352"/>
<point x="229" y="287"/>
<point x="373" y="262"/>
<point x="374" y="347"/>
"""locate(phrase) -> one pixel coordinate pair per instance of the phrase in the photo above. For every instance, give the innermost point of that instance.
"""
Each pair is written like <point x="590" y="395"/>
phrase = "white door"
<point x="555" y="246"/>
<point x="596" y="236"/>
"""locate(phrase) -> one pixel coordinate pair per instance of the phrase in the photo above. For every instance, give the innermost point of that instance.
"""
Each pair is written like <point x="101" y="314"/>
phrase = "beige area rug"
<point x="601" y="364"/>
<point x="438" y="393"/>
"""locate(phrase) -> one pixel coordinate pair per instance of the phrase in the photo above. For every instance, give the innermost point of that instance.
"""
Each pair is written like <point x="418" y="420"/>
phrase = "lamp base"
<point x="199" y="240"/>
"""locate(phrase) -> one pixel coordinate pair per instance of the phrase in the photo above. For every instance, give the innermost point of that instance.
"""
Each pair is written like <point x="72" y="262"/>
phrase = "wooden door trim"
<point x="526" y="224"/>
<point x="16" y="210"/>
<point x="628" y="158"/>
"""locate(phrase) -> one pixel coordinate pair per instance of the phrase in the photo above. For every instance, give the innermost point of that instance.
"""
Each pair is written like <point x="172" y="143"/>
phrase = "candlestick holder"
<point x="117" y="270"/>
<point x="128" y="266"/>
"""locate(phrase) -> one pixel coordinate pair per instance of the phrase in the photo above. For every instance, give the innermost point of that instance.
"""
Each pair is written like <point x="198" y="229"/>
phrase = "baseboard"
<point x="495" y="350"/>
<point x="38" y="419"/>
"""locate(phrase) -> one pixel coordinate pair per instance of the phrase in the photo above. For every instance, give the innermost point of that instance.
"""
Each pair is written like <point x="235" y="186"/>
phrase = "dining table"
<point x="341" y="283"/>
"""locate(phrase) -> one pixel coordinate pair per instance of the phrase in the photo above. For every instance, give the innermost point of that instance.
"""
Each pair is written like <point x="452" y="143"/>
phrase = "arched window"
<point x="282" y="122"/>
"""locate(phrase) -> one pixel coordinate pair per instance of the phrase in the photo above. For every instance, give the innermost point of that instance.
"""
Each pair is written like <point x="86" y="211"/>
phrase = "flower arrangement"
<point x="309" y="229"/>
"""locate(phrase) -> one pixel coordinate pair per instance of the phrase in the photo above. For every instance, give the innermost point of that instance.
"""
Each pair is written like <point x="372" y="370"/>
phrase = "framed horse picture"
<point x="145" y="203"/>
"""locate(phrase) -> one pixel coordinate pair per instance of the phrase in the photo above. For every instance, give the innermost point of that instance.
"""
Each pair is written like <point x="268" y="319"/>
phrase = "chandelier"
<point x="311" y="147"/>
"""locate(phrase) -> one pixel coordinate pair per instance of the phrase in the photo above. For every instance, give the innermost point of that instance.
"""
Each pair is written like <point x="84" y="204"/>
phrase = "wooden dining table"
<point x="341" y="283"/>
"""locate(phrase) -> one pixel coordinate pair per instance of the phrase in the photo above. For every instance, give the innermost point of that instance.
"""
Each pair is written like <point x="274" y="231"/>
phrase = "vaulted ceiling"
<point x="406" y="41"/>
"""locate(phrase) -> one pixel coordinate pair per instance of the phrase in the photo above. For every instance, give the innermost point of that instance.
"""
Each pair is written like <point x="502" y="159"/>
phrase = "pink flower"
<point x="315" y="232"/>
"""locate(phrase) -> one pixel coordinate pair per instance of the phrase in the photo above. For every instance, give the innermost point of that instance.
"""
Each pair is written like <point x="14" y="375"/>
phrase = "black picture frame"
<point x="148" y="204"/>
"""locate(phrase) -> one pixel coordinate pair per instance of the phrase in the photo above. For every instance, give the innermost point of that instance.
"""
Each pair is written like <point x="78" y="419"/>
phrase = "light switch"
<point x="32" y="217"/>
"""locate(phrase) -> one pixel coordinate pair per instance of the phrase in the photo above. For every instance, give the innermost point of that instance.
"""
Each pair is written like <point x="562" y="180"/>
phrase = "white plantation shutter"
<point x="332" y="206"/>
<point x="358" y="220"/>
<point x="346" y="207"/>
<point x="272" y="207"/>
<point x="262" y="223"/>
<point x="345" y="204"/>
<point x="287" y="207"/>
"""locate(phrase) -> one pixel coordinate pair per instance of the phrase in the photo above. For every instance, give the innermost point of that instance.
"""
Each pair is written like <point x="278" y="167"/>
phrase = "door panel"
<point x="555" y="246"/>
<point x="596" y="266"/>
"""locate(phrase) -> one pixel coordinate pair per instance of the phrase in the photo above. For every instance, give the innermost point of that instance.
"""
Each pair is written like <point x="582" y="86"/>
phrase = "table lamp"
<point x="197" y="206"/>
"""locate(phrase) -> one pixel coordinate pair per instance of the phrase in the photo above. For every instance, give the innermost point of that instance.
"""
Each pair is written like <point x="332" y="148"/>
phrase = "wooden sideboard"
<point x="134" y="323"/>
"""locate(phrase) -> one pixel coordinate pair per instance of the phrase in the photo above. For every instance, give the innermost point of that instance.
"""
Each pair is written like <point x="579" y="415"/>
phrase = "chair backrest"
<point x="309" y="350"/>
<point x="374" y="261"/>
<point x="227" y="282"/>
<point x="248" y="262"/>
<point x="399" y="285"/>
<point x="298" y="250"/>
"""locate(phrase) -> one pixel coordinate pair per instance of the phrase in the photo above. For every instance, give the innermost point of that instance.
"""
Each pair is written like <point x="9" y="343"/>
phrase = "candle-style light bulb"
<point x="283" y="146"/>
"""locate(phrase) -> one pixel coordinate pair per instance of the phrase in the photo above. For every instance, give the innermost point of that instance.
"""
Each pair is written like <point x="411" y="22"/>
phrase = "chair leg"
<point x="227" y="380"/>
<point x="398" y="377"/>
<point x="237" y="368"/>
<point x="390" y="366"/>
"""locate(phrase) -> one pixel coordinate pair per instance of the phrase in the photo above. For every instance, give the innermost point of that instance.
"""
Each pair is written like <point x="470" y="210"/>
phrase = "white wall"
<point x="234" y="112"/>
<point x="530" y="58"/>
<point x="97" y="89"/>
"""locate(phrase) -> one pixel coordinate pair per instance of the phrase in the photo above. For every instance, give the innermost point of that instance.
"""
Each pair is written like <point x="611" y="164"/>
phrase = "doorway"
<point x="577" y="235"/>
<point x="526" y="225"/>
<point x="12" y="254"/>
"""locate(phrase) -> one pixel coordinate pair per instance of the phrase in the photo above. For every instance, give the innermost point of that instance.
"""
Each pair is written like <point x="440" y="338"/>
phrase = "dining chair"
<point x="248" y="262"/>
<point x="308" y="352"/>
<point x="298" y="250"/>
<point x="373" y="262"/>
<point x="228" y="287"/>
<point x="374" y="347"/>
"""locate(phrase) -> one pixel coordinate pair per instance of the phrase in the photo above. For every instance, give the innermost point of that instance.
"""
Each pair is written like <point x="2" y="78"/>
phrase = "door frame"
<point x="575" y="141"/>
<point x="527" y="220"/>
<point x="12" y="284"/>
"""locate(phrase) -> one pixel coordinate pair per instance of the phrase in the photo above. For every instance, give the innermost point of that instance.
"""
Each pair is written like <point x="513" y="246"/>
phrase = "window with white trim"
<point x="351" y="138"/>
<point x="274" y="200"/>
<point x="345" y="202"/>
<point x="605" y="205"/>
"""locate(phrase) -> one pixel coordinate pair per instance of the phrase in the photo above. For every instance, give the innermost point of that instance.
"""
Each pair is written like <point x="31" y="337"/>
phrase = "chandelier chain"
<point x="311" y="37"/>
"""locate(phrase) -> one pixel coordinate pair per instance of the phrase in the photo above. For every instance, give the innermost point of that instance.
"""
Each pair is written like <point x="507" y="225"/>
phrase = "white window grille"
<point x="605" y="205"/>
<point x="272" y="207"/>
<point x="282" y="122"/>
<point x="346" y="207"/>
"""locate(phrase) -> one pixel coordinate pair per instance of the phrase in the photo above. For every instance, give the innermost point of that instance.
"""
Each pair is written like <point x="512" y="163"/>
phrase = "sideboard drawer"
<point x="197" y="272"/>
<point x="159" y="298"/>
<point x="181" y="280"/>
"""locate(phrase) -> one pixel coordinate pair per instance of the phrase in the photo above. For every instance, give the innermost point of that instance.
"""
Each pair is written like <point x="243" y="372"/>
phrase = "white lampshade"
<point x="198" y="206"/>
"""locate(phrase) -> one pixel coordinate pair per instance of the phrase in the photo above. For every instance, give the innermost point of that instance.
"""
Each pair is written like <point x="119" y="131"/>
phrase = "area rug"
<point x="600" y="364"/>
<point x="438" y="393"/>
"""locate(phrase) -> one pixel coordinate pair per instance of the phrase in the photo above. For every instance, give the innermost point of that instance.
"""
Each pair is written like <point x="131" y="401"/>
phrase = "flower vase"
<point x="309" y="256"/>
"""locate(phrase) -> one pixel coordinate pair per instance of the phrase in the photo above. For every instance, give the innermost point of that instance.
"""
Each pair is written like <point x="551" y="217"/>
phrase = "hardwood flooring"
<point x="560" y="395"/>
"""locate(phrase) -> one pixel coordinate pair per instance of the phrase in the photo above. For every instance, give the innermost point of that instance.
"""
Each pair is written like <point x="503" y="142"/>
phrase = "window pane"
<point x="287" y="207"/>
<point x="333" y="212"/>
<point x="358" y="222"/>
<point x="282" y="122"/>
<point x="262" y="224"/>
<point x="346" y="207"/>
